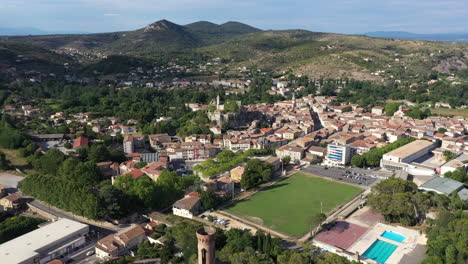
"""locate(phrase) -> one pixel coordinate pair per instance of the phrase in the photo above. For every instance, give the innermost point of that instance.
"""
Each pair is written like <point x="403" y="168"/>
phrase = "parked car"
<point x="90" y="253"/>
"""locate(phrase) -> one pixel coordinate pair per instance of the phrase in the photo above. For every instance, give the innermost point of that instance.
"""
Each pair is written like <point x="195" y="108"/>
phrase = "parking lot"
<point x="228" y="222"/>
<point x="352" y="175"/>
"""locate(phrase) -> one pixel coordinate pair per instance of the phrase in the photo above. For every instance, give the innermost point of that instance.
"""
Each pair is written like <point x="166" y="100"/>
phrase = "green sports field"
<point x="289" y="205"/>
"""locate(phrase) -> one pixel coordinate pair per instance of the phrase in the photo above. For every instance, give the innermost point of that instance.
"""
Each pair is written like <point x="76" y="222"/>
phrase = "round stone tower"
<point x="206" y="245"/>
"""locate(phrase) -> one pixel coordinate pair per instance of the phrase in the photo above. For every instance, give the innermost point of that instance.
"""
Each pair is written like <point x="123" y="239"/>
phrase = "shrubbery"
<point x="224" y="161"/>
<point x="16" y="226"/>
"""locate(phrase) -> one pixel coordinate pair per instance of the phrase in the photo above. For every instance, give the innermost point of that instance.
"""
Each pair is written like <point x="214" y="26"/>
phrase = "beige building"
<point x="12" y="202"/>
<point x="236" y="173"/>
<point x="295" y="153"/>
<point x="401" y="157"/>
<point x="378" y="110"/>
<point x="117" y="244"/>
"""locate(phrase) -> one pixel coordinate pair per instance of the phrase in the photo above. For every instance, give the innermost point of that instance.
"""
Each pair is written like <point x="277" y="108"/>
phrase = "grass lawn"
<point x="447" y="111"/>
<point x="16" y="160"/>
<point x="289" y="205"/>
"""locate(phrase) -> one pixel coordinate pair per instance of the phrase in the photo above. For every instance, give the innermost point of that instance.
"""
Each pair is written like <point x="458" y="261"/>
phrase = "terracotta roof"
<point x="131" y="233"/>
<point x="187" y="203"/>
<point x="80" y="142"/>
<point x="13" y="197"/>
<point x="193" y="194"/>
<point x="152" y="223"/>
<point x="136" y="173"/>
<point x="108" y="244"/>
<point x="55" y="261"/>
<point x="224" y="180"/>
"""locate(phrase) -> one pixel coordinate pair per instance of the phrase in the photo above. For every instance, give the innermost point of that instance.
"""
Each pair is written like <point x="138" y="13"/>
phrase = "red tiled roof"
<point x="55" y="261"/>
<point x="80" y="142"/>
<point x="136" y="173"/>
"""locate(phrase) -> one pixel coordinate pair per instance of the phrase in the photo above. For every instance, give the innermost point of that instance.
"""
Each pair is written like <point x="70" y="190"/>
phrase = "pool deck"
<point x="413" y="237"/>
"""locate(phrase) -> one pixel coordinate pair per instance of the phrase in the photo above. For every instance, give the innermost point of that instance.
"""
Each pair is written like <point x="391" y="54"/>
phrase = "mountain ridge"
<point x="157" y="36"/>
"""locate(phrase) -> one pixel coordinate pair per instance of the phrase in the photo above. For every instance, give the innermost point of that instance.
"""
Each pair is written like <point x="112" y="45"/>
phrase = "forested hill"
<point x="158" y="36"/>
<point x="315" y="54"/>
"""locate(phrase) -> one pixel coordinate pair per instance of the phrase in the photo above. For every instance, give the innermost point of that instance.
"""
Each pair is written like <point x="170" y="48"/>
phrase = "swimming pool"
<point x="397" y="237"/>
<point x="380" y="251"/>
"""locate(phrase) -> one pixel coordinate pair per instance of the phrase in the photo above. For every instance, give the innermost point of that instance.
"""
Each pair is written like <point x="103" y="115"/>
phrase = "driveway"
<point x="231" y="223"/>
<point x="10" y="181"/>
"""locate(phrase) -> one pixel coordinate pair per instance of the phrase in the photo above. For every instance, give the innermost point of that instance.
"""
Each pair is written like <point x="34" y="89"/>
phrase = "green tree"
<point x="358" y="161"/>
<point x="317" y="219"/>
<point x="398" y="201"/>
<point x="16" y="226"/>
<point x="140" y="164"/>
<point x="441" y="130"/>
<point x="391" y="108"/>
<point x="4" y="164"/>
<point x="51" y="161"/>
<point x="347" y="109"/>
<point x="98" y="153"/>
<point x="209" y="199"/>
<point x="255" y="173"/>
<point x="460" y="174"/>
<point x="11" y="138"/>
<point x="113" y="202"/>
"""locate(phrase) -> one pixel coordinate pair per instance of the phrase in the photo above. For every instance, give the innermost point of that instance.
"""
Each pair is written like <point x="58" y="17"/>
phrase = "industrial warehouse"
<point x="44" y="244"/>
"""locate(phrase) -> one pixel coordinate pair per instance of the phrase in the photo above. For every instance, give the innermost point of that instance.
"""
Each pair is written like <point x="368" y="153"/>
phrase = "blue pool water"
<point x="380" y="251"/>
<point x="393" y="236"/>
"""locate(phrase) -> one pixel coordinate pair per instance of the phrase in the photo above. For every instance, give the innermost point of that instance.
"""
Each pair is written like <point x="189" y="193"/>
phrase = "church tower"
<point x="206" y="245"/>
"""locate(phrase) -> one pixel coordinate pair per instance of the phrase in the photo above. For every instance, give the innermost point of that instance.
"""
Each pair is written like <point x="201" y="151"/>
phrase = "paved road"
<point x="102" y="230"/>
<point x="96" y="233"/>
<point x="80" y="256"/>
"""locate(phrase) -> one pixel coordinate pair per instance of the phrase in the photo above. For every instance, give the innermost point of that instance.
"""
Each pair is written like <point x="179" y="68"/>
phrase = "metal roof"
<point x="442" y="185"/>
<point x="33" y="243"/>
<point x="463" y="194"/>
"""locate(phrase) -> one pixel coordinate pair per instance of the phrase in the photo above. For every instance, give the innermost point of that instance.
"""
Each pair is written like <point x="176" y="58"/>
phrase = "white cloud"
<point x="111" y="14"/>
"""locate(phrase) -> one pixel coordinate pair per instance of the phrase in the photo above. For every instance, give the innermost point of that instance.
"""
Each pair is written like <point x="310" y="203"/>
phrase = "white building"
<point x="400" y="158"/>
<point x="338" y="154"/>
<point x="44" y="244"/>
<point x="187" y="207"/>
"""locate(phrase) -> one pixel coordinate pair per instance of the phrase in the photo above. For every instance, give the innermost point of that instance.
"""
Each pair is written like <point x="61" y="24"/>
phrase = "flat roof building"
<point x="44" y="244"/>
<point x="410" y="151"/>
<point x="399" y="158"/>
<point x="338" y="154"/>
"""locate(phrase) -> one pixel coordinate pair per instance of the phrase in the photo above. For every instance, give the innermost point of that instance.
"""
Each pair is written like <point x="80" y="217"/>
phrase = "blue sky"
<point x="343" y="16"/>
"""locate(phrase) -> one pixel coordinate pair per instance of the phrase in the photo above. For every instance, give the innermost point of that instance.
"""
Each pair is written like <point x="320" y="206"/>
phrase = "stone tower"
<point x="206" y="245"/>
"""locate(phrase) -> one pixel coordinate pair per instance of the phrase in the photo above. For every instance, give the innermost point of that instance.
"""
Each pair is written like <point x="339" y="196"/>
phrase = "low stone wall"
<point x="40" y="212"/>
<point x="72" y="216"/>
